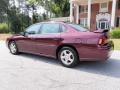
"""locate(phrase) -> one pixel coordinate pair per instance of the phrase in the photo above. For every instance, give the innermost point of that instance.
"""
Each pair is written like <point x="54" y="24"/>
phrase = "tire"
<point x="68" y="57"/>
<point x="13" y="48"/>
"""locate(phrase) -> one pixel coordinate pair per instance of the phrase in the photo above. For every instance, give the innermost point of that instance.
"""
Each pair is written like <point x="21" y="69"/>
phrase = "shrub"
<point x="4" y="28"/>
<point x="115" y="33"/>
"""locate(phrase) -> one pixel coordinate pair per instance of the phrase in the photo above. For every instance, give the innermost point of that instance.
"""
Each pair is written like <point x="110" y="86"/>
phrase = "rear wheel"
<point x="68" y="57"/>
<point x="13" y="48"/>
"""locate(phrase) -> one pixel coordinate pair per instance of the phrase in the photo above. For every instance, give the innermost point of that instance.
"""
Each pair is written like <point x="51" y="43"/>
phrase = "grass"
<point x="116" y="41"/>
<point x="4" y="36"/>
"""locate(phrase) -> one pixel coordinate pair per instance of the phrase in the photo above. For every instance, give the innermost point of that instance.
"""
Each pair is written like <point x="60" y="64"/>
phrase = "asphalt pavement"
<point x="32" y="72"/>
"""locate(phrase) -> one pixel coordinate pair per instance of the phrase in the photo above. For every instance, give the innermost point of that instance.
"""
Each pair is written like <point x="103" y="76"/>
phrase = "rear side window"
<point x="78" y="27"/>
<point x="50" y="28"/>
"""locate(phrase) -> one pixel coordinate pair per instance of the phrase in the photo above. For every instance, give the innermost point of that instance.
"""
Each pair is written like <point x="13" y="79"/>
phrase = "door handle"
<point x="32" y="38"/>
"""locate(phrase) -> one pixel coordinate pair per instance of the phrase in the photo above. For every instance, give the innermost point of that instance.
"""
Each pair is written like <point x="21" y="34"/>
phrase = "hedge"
<point x="115" y="33"/>
<point x="4" y="28"/>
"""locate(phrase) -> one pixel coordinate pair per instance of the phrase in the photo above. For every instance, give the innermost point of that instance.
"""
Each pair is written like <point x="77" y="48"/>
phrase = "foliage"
<point x="116" y="44"/>
<point x="115" y="33"/>
<point x="3" y="8"/>
<point x="60" y="7"/>
<point x="17" y="20"/>
<point x="4" y="28"/>
<point x="25" y="21"/>
<point x="14" y="20"/>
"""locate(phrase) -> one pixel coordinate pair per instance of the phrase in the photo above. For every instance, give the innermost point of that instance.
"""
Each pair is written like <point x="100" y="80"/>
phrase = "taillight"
<point x="102" y="40"/>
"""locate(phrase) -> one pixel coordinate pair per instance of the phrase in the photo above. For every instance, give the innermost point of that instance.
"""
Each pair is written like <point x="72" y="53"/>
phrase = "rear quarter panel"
<point x="86" y="44"/>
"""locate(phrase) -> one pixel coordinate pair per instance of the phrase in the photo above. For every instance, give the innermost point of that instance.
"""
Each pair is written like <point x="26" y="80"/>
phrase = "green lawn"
<point x="116" y="43"/>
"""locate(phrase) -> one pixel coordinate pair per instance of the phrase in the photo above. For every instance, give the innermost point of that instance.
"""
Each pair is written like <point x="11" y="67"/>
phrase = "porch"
<point x="76" y="3"/>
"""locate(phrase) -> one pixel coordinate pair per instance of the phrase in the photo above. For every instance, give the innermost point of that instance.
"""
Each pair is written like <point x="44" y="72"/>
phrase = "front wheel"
<point x="13" y="48"/>
<point x="68" y="57"/>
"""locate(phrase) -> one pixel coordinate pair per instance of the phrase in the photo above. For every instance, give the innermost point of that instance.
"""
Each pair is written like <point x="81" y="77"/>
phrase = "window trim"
<point x="103" y="9"/>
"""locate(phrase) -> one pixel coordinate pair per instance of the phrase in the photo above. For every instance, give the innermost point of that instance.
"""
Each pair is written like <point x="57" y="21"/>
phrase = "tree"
<point x="59" y="7"/>
<point x="3" y="9"/>
<point x="14" y="20"/>
<point x="4" y="5"/>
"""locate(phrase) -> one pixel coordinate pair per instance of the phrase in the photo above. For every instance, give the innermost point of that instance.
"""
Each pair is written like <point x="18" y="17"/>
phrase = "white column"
<point x="113" y="13"/>
<point x="71" y="11"/>
<point x="77" y="14"/>
<point x="89" y="14"/>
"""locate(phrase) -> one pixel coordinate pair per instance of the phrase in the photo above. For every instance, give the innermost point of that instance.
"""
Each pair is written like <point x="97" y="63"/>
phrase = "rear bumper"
<point x="106" y="50"/>
<point x="96" y="53"/>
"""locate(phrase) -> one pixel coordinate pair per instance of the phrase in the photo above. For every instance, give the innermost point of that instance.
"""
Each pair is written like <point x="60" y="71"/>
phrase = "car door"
<point x="26" y="43"/>
<point x="48" y="39"/>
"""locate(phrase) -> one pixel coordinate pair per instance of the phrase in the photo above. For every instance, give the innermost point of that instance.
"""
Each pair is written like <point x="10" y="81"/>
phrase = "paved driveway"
<point x="30" y="72"/>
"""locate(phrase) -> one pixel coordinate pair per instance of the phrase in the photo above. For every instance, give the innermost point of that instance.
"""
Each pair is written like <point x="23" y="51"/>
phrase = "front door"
<point x="48" y="39"/>
<point x="103" y="24"/>
<point x="26" y="43"/>
<point x="103" y="20"/>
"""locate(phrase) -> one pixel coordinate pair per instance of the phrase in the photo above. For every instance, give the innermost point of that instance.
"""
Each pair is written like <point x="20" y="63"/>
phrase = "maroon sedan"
<point x="70" y="43"/>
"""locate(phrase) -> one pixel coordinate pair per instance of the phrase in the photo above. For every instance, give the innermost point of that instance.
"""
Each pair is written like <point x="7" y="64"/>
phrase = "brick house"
<point x="95" y="14"/>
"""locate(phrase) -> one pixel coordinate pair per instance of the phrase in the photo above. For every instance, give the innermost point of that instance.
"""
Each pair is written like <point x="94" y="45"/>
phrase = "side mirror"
<point x="27" y="33"/>
<point x="31" y="32"/>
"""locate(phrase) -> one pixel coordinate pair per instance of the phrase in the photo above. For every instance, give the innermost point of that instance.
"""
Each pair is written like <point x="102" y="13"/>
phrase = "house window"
<point x="118" y="4"/>
<point x="83" y="9"/>
<point x="118" y="22"/>
<point x="103" y="7"/>
<point x="83" y="22"/>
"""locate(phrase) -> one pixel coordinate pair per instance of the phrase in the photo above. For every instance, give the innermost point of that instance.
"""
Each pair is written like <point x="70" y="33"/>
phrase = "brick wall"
<point x="95" y="11"/>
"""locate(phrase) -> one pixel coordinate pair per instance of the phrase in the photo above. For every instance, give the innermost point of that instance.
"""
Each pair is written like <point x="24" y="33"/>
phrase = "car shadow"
<point x="41" y="58"/>
<point x="110" y="67"/>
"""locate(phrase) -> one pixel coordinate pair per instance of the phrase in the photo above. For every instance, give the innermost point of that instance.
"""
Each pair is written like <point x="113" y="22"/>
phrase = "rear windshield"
<point x="78" y="27"/>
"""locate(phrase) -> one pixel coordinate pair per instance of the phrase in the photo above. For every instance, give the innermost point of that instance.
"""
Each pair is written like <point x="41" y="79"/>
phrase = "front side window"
<point x="34" y="28"/>
<point x="50" y="28"/>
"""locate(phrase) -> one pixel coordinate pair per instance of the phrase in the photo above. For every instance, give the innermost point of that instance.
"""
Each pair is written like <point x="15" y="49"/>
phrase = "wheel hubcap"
<point x="67" y="57"/>
<point x="13" y="48"/>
